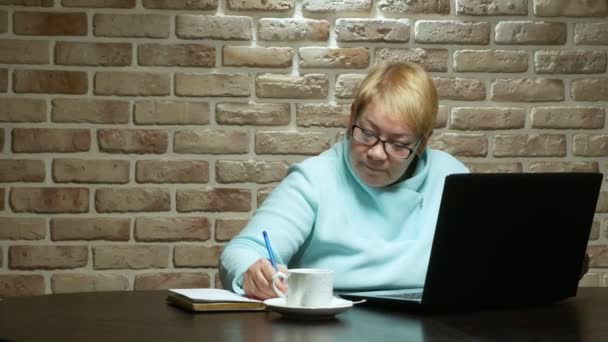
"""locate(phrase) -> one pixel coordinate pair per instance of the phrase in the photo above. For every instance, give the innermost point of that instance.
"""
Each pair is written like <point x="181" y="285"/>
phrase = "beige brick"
<point x="91" y="171"/>
<point x="569" y="62"/>
<point x="34" y="140"/>
<point x="261" y="5"/>
<point x="121" y="200"/>
<point x="564" y="167"/>
<point x="527" y="90"/>
<point x="373" y="30"/>
<point x="461" y="145"/>
<point x="181" y="4"/>
<point x="460" y="89"/>
<point x="1" y="139"/>
<point x="93" y="54"/>
<point x="218" y="281"/>
<point x="211" y="141"/>
<point x="568" y="117"/>
<point x="132" y="25"/>
<point x="149" y="229"/>
<point x="451" y="32"/>
<point x="172" y="171"/>
<point x="262" y="195"/>
<point x="49" y="200"/>
<point x="90" y="228"/>
<point x="591" y="33"/>
<point x="441" y="120"/>
<point x="237" y="85"/>
<point x="530" y="145"/>
<point x="22" y="228"/>
<point x="3" y="28"/>
<point x="254" y="114"/>
<point x="132" y="140"/>
<point x="590" y="89"/>
<point x="197" y="256"/>
<point x="14" y="285"/>
<point x="588" y="145"/>
<point x="322" y="57"/>
<point x="572" y="8"/>
<point x="90" y="111"/>
<point x="20" y="109"/>
<point x="347" y="85"/>
<point x="261" y="172"/>
<point x="293" y="30"/>
<point x="124" y="83"/>
<point x="479" y="118"/>
<point x="186" y="55"/>
<point x="99" y="4"/>
<point x="13" y="51"/>
<point x="258" y="57"/>
<point x="309" y="86"/>
<point x="494" y="167"/>
<point x="21" y="170"/>
<point x="50" y="23"/>
<point x="4" y="80"/>
<point x="598" y="255"/>
<point x="324" y="115"/>
<point x="50" y="81"/>
<point x="213" y="200"/>
<point x="490" y="61"/>
<point x="529" y="32"/>
<point x="177" y="280"/>
<point x="594" y="234"/>
<point x="492" y="7"/>
<point x="323" y="6"/>
<point x="590" y="280"/>
<point x="1" y="208"/>
<point x="415" y="7"/>
<point x="134" y="257"/>
<point x="224" y="27"/>
<point x="304" y="143"/>
<point x="602" y="203"/>
<point x="29" y="257"/>
<point x="171" y="113"/>
<point x="226" y="229"/>
<point x="73" y="282"/>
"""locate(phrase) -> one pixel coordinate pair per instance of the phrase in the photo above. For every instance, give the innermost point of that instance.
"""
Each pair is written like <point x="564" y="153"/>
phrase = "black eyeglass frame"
<point x="383" y="141"/>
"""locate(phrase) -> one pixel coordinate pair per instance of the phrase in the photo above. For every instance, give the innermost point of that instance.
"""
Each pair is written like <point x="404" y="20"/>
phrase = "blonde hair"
<point x="404" y="89"/>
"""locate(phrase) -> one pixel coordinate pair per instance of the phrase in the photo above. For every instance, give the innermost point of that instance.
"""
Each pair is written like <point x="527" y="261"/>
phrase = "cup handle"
<point x="274" y="286"/>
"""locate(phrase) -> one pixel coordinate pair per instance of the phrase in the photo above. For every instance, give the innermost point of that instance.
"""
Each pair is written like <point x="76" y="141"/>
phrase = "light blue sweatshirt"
<point x="323" y="216"/>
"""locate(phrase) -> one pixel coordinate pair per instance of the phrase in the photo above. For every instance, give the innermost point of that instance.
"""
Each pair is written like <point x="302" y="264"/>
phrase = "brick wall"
<point x="137" y="137"/>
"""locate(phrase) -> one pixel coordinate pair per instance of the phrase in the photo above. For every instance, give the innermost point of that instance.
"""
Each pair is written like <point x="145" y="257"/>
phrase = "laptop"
<point x="503" y="239"/>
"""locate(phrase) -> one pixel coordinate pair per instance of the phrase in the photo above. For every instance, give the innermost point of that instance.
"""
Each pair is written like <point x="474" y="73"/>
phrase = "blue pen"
<point x="274" y="264"/>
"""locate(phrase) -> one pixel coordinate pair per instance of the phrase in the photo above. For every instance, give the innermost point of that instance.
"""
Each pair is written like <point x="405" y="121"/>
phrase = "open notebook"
<point x="212" y="300"/>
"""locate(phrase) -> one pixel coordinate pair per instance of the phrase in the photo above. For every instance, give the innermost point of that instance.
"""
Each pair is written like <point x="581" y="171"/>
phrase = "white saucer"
<point x="336" y="306"/>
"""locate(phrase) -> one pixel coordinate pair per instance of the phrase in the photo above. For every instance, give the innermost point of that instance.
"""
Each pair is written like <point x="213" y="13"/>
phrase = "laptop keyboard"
<point x="409" y="296"/>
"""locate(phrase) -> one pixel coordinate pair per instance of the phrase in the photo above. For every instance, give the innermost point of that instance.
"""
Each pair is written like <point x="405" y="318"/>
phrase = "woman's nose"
<point x="377" y="151"/>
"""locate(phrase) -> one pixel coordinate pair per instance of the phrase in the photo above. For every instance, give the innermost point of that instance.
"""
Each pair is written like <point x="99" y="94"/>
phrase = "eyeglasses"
<point x="395" y="149"/>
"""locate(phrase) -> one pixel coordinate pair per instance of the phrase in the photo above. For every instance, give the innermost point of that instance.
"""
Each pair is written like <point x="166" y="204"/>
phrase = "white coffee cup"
<point x="306" y="287"/>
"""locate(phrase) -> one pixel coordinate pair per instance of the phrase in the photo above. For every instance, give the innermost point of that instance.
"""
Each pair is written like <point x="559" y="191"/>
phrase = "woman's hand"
<point x="257" y="280"/>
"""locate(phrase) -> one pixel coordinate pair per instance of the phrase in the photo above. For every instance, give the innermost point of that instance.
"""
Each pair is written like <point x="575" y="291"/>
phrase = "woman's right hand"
<point x="257" y="280"/>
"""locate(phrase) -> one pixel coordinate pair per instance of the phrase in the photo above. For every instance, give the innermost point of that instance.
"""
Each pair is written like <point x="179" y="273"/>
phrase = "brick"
<point x="373" y="30"/>
<point x="172" y="171"/>
<point x="441" y="120"/>
<point x="1" y="208"/>
<point x="213" y="200"/>
<point x="122" y="200"/>
<point x="304" y="143"/>
<point x="590" y="280"/>
<point x="132" y="25"/>
<point x="527" y="90"/>
<point x="226" y="229"/>
<point x="569" y="62"/>
<point x="594" y="234"/>
<point x="132" y="140"/>
<point x="33" y="140"/>
<point x="347" y="85"/>
<point x="261" y="5"/>
<point x="224" y="27"/>
<point x="14" y="285"/>
<point x="134" y="257"/>
<point x="261" y="172"/>
<point x="90" y="228"/>
<point x="3" y="23"/>
<point x="429" y="59"/>
<point x="531" y="33"/>
<point x="530" y="145"/>
<point x="237" y="85"/>
<point x="461" y="145"/>
<point x="3" y="80"/>
<point x="197" y="256"/>
<point x="174" y="280"/>
<point x="590" y="89"/>
<point x="415" y="7"/>
<point x="90" y="171"/>
<point x="598" y="255"/>
<point x="293" y="30"/>
<point x="167" y="229"/>
<point x="323" y="115"/>
<point x="262" y="195"/>
<point x="49" y="200"/>
<point x="258" y="57"/>
<point x="22" y="228"/>
<point x="50" y="81"/>
<point x="254" y="114"/>
<point x="492" y="7"/>
<point x="460" y="89"/>
<point x="323" y="6"/>
<point x="568" y="117"/>
<point x="602" y="203"/>
<point x="171" y="113"/>
<point x="591" y="33"/>
<point x="186" y="55"/>
<point x="99" y="4"/>
<point x="50" y="23"/>
<point x="575" y="8"/>
<point x="13" y="51"/>
<point x="322" y="57"/>
<point x="20" y="109"/>
<point x="493" y="167"/>
<point x="451" y="32"/>
<point x="309" y="86"/>
<point x="125" y="83"/>
<point x="1" y="139"/>
<point x="564" y="167"/>
<point x="211" y="141"/>
<point x="181" y="4"/>
<point x="588" y="145"/>
<point x="218" y="281"/>
<point x="93" y="54"/>
<point x="479" y="118"/>
<point x="71" y="282"/>
<point x="29" y="257"/>
<point x="90" y="111"/>
<point x="490" y="61"/>
<point x="21" y="170"/>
